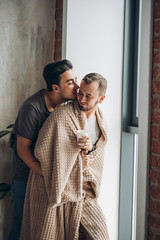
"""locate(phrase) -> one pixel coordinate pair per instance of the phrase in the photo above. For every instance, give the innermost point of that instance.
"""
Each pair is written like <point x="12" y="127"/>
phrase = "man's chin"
<point x="82" y="108"/>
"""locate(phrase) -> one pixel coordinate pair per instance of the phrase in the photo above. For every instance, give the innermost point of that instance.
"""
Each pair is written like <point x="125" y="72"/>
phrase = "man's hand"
<point x="27" y="155"/>
<point x="85" y="143"/>
<point x="86" y="159"/>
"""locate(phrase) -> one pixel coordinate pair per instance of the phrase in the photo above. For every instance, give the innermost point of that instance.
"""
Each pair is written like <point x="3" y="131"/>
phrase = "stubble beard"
<point x="87" y="109"/>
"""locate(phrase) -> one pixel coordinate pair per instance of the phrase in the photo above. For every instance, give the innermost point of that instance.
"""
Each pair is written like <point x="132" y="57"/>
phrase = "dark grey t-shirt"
<point x="30" y="119"/>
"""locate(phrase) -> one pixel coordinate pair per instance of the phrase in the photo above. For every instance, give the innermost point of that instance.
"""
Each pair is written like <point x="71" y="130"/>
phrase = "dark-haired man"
<point x="62" y="85"/>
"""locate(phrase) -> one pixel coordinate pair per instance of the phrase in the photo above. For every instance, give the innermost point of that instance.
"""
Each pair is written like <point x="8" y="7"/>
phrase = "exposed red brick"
<point x="156" y="57"/>
<point x="155" y="192"/>
<point x="156" y="117"/>
<point x="158" y="179"/>
<point x="156" y="42"/>
<point x="157" y="12"/>
<point x="154" y="188"/>
<point x="154" y="222"/>
<point x="158" y="164"/>
<point x="58" y="13"/>
<point x="58" y="45"/>
<point x="159" y="133"/>
<point x="155" y="103"/>
<point x="58" y="34"/>
<point x="59" y="24"/>
<point x="152" y="206"/>
<point x="153" y="161"/>
<point x="157" y="3"/>
<point x="150" y="235"/>
<point x="154" y="132"/>
<point x="155" y="72"/>
<point x="156" y="86"/>
<point x="156" y="27"/>
<point x="59" y="4"/>
<point x="158" y="208"/>
<point x="157" y="237"/>
<point x="155" y="147"/>
<point x="153" y="176"/>
<point x="57" y="56"/>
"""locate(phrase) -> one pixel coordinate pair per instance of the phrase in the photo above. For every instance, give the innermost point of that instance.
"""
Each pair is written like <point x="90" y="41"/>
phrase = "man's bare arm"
<point x="27" y="155"/>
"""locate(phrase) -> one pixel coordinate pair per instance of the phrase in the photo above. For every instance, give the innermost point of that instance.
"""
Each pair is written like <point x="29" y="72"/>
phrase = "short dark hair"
<point x="96" y="77"/>
<point x="52" y="72"/>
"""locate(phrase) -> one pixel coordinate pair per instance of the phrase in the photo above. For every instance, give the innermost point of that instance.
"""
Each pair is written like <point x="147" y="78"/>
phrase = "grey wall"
<point x="27" y="29"/>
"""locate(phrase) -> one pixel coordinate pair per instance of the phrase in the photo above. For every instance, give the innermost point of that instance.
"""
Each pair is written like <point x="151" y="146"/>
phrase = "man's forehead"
<point x="71" y="79"/>
<point x="68" y="74"/>
<point x="89" y="88"/>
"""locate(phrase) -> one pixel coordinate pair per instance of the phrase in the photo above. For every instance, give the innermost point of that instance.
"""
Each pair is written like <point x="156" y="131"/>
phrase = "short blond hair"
<point x="96" y="77"/>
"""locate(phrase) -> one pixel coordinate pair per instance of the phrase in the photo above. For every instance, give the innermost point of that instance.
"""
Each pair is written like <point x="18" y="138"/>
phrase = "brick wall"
<point x="58" y="32"/>
<point x="154" y="186"/>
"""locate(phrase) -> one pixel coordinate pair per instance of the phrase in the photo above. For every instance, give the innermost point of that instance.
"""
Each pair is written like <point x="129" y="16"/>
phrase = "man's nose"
<point x="83" y="99"/>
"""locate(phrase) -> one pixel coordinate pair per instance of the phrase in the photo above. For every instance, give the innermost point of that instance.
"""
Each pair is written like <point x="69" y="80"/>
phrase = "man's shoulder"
<point x="67" y="106"/>
<point x="99" y="113"/>
<point x="34" y="101"/>
<point x="63" y="111"/>
<point x="34" y="98"/>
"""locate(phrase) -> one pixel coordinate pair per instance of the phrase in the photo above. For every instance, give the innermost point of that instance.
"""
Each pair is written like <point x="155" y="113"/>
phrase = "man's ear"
<point x="101" y="98"/>
<point x="55" y="88"/>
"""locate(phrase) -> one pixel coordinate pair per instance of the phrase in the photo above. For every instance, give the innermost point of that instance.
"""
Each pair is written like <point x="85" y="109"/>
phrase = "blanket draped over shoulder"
<point x="56" y="203"/>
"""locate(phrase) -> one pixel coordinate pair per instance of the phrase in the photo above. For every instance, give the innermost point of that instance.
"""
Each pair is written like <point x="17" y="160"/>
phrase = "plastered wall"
<point x="27" y="30"/>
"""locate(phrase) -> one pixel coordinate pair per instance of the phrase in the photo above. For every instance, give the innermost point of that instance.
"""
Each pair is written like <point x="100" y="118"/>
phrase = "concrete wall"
<point x="27" y="29"/>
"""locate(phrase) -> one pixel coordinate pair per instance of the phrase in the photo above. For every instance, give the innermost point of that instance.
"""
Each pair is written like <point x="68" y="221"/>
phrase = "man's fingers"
<point x="83" y="153"/>
<point x="87" y="146"/>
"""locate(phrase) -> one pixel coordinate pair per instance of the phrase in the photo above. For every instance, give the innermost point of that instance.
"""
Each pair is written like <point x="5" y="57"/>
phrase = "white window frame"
<point x="145" y="74"/>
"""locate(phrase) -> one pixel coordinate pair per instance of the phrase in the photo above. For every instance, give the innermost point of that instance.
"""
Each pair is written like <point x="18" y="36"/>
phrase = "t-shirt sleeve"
<point x="27" y="122"/>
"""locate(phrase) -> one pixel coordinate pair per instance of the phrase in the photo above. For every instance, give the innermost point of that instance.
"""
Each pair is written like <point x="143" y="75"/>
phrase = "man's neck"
<point x="52" y="100"/>
<point x="90" y="114"/>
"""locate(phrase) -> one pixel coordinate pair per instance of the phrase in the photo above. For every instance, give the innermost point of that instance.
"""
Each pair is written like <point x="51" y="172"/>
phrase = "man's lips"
<point x="82" y="104"/>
